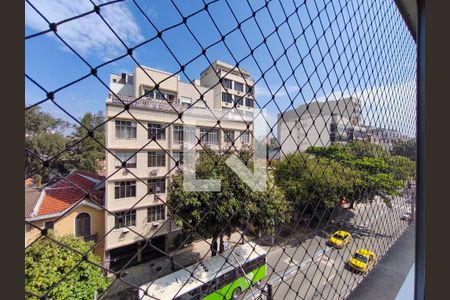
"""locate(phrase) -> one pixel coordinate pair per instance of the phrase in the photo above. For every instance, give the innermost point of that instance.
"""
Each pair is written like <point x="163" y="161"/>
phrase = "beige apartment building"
<point x="149" y="136"/>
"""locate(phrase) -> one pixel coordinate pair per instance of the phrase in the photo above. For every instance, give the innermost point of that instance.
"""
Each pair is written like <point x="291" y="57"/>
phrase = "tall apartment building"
<point x="320" y="124"/>
<point x="149" y="135"/>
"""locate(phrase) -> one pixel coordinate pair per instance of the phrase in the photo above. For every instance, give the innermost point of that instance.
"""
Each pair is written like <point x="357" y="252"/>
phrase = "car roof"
<point x="364" y="252"/>
<point x="341" y="232"/>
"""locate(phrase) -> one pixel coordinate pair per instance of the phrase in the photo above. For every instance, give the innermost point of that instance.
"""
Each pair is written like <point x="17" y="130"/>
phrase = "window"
<point x="239" y="86"/>
<point x="125" y="219"/>
<point x="178" y="134"/>
<point x="129" y="157"/>
<point x="125" y="129"/>
<point x="83" y="225"/>
<point x="156" y="213"/>
<point x="159" y="95"/>
<point x="178" y="157"/>
<point x="239" y="100"/>
<point x="249" y="102"/>
<point x="227" y="83"/>
<point x="156" y="159"/>
<point x="227" y="98"/>
<point x="156" y="186"/>
<point x="209" y="136"/>
<point x="49" y="225"/>
<point x="249" y="90"/>
<point x="229" y="136"/>
<point x="245" y="137"/>
<point x="185" y="101"/>
<point x="124" y="189"/>
<point x="157" y="131"/>
<point x="130" y="79"/>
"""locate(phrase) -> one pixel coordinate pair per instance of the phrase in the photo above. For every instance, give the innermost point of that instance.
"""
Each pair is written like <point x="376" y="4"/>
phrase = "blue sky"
<point x="338" y="49"/>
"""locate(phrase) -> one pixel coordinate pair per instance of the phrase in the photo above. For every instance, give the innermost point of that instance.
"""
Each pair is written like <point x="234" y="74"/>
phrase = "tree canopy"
<point x="47" y="137"/>
<point x="358" y="171"/>
<point x="55" y="261"/>
<point x="235" y="206"/>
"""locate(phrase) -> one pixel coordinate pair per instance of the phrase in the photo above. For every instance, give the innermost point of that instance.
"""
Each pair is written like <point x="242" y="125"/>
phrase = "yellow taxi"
<point x="362" y="261"/>
<point x="339" y="239"/>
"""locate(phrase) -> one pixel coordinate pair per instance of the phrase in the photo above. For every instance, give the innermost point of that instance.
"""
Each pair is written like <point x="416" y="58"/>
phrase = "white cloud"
<point x="89" y="34"/>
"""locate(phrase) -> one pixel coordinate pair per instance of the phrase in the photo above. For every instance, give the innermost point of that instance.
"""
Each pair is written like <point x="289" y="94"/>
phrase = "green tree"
<point x="46" y="262"/>
<point x="314" y="184"/>
<point x="219" y="213"/>
<point x="405" y="148"/>
<point x="381" y="174"/>
<point x="86" y="154"/>
<point x="44" y="139"/>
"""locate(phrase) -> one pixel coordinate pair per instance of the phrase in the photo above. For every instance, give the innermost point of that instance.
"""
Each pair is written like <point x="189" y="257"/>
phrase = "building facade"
<point x="64" y="208"/>
<point x="145" y="148"/>
<point x="321" y="124"/>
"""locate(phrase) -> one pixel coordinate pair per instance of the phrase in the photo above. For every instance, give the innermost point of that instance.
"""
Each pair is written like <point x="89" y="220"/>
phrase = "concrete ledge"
<point x="386" y="279"/>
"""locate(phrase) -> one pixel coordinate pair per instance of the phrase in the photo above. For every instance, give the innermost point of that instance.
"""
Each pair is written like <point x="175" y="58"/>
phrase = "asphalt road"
<point x="312" y="270"/>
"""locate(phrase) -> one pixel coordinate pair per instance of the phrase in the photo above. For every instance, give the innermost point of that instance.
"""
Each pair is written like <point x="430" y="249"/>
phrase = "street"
<point x="313" y="270"/>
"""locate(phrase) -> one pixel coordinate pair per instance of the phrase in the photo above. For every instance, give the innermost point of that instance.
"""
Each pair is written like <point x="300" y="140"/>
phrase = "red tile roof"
<point x="69" y="191"/>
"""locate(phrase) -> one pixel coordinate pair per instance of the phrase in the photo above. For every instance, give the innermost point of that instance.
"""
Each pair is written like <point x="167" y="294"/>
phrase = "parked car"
<point x="362" y="261"/>
<point x="339" y="239"/>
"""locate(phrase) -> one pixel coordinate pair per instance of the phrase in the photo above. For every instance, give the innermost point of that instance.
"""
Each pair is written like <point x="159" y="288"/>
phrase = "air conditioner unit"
<point x="154" y="172"/>
<point x="125" y="230"/>
<point x="125" y="172"/>
<point x="155" y="225"/>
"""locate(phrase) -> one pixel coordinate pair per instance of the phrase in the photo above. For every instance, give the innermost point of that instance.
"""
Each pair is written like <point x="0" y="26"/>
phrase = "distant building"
<point x="386" y="138"/>
<point x="64" y="208"/>
<point x="321" y="124"/>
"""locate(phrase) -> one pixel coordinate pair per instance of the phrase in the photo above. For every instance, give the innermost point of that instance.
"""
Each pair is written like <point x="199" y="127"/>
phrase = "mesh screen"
<point x="246" y="149"/>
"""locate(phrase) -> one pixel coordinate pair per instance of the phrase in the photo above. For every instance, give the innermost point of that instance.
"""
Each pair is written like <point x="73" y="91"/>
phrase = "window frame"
<point x="131" y="186"/>
<point x="226" y="136"/>
<point x="127" y="217"/>
<point x="156" y="213"/>
<point x="156" y="156"/>
<point x="228" y="97"/>
<point x="118" y="163"/>
<point x="160" y="133"/>
<point x="240" y="84"/>
<point x="157" y="181"/>
<point x="124" y="128"/>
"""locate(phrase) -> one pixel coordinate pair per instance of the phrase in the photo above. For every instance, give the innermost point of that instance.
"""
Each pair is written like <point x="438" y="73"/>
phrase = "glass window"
<point x="178" y="134"/>
<point x="156" y="159"/>
<point x="249" y="102"/>
<point x="156" y="213"/>
<point x="125" y="129"/>
<point x="129" y="157"/>
<point x="185" y="101"/>
<point x="229" y="136"/>
<point x="124" y="189"/>
<point x="227" y="98"/>
<point x="130" y="79"/>
<point x="83" y="225"/>
<point x="245" y="137"/>
<point x="209" y="136"/>
<point x="159" y="95"/>
<point x="178" y="157"/>
<point x="156" y="185"/>
<point x="239" y="100"/>
<point x="227" y="83"/>
<point x="156" y="130"/>
<point x="249" y="89"/>
<point x="125" y="219"/>
<point x="49" y="225"/>
<point x="239" y="86"/>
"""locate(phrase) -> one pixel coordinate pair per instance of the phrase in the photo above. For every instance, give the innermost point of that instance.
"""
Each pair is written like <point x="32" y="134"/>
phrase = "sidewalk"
<point x="151" y="270"/>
